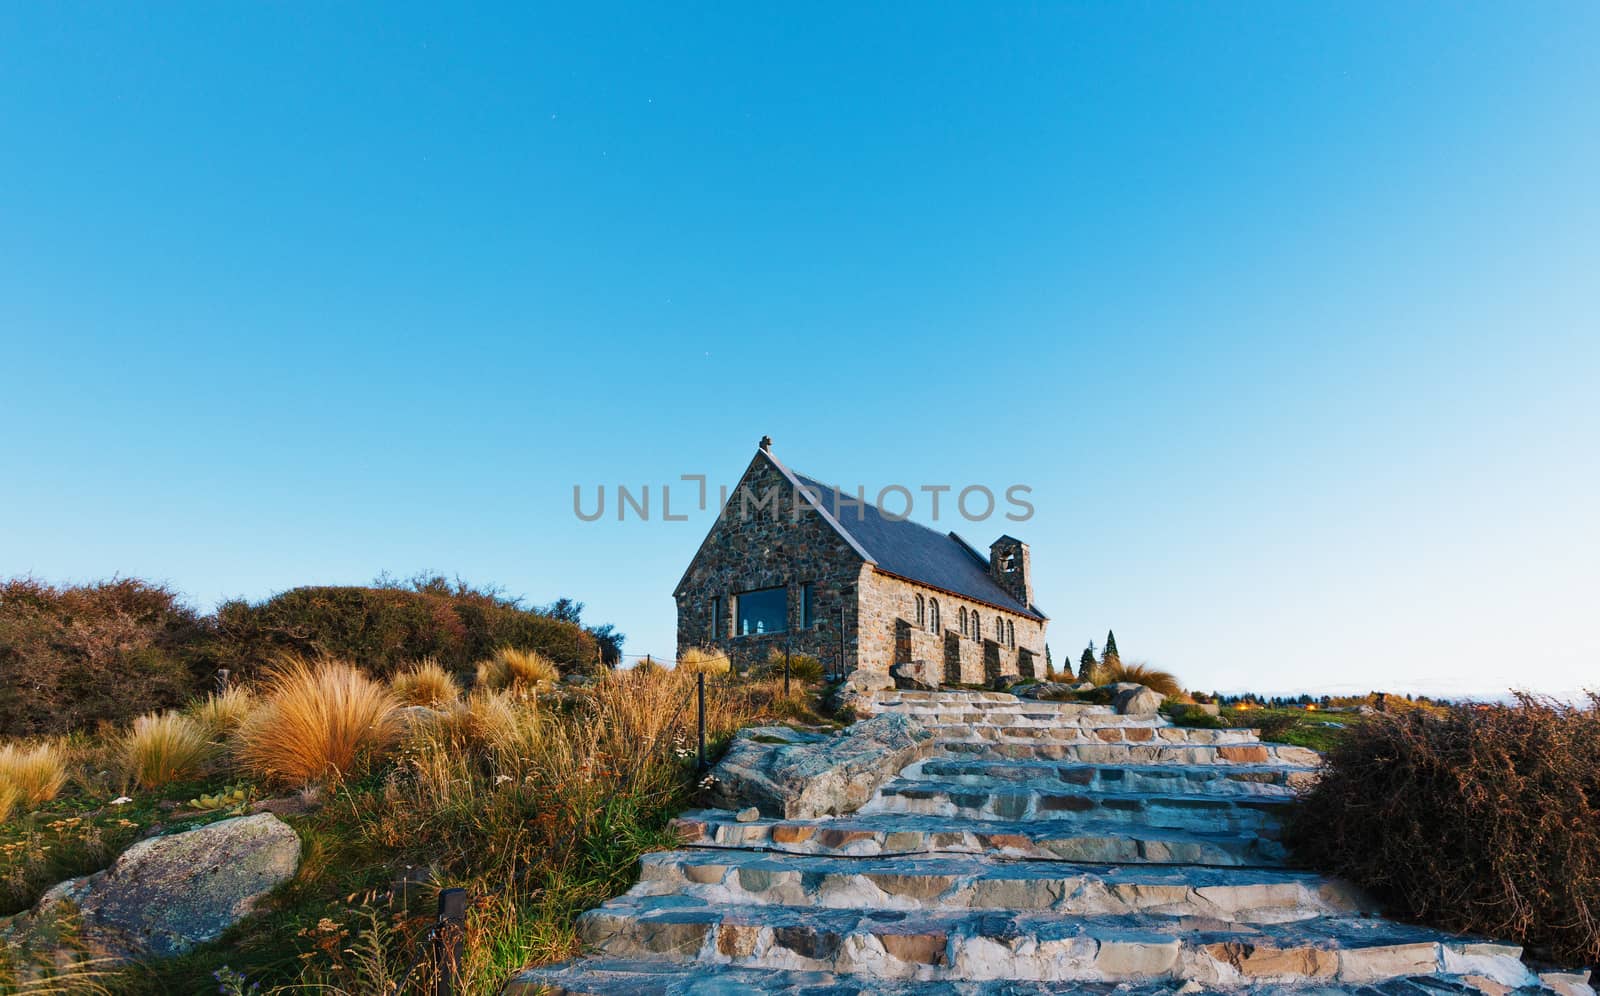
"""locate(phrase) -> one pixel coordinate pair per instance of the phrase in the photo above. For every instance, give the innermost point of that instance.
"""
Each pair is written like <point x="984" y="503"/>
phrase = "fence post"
<point x="700" y="693"/>
<point x="449" y="938"/>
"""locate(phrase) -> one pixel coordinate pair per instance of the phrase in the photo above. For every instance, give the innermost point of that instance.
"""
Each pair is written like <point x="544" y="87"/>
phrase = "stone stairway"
<point x="1037" y="847"/>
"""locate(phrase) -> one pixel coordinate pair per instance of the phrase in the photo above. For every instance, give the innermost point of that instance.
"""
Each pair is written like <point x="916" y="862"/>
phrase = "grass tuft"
<point x="704" y="660"/>
<point x="1139" y="673"/>
<point x="425" y="684"/>
<point x="321" y="722"/>
<point x="526" y="670"/>
<point x="162" y="748"/>
<point x="221" y="713"/>
<point x="31" y="775"/>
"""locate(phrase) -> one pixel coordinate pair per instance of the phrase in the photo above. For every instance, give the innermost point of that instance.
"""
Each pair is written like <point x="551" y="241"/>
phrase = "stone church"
<point x="791" y="562"/>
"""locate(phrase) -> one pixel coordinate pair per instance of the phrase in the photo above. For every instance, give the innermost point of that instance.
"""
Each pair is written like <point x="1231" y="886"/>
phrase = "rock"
<point x="747" y="815"/>
<point x="1134" y="700"/>
<point x="163" y="895"/>
<point x="921" y="675"/>
<point x="1045" y="690"/>
<point x="1567" y="983"/>
<point x="796" y="775"/>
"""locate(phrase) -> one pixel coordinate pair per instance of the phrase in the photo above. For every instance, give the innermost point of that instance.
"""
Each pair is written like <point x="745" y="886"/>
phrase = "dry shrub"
<point x="704" y="660"/>
<point x="221" y="713"/>
<point x="510" y="667"/>
<point x="76" y="655"/>
<point x="321" y="721"/>
<point x="162" y="748"/>
<point x="425" y="684"/>
<point x="1478" y="818"/>
<point x="1139" y="673"/>
<point x="31" y="775"/>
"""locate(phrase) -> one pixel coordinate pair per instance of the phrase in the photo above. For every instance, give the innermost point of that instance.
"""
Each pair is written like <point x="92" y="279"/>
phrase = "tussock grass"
<point x="320" y="722"/>
<point x="425" y="684"/>
<point x="221" y="713"/>
<point x="31" y="775"/>
<point x="527" y="670"/>
<point x="1139" y="673"/>
<point x="802" y="667"/>
<point x="704" y="660"/>
<point x="162" y="748"/>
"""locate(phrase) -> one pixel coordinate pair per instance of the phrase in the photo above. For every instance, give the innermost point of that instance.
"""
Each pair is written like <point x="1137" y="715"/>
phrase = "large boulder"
<point x="1131" y="699"/>
<point x="793" y="774"/>
<point x="163" y="895"/>
<point x="1052" y="689"/>
<point x="922" y="675"/>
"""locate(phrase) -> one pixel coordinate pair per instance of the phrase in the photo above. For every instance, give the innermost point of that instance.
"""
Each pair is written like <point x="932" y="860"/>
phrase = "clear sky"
<point x="1288" y="314"/>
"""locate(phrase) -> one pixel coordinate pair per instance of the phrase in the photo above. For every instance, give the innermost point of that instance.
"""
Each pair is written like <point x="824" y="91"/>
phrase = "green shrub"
<point x="383" y="629"/>
<point x="1477" y="818"/>
<point x="802" y="667"/>
<point x="77" y="655"/>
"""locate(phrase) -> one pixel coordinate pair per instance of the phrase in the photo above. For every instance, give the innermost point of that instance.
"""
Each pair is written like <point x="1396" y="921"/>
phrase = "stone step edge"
<point x="1089" y="842"/>
<point x="1110" y="948"/>
<point x="636" y="977"/>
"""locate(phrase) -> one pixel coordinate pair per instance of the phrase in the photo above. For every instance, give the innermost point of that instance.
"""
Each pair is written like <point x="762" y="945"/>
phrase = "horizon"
<point x="1292" y="334"/>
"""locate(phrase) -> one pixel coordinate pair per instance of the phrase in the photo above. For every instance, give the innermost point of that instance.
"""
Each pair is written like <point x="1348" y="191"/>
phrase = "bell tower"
<point x="1008" y="565"/>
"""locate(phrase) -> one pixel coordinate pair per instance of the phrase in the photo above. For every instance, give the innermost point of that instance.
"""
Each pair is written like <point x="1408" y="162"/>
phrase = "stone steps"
<point x="1028" y="848"/>
<point x="1088" y="841"/>
<point x="1138" y="754"/>
<point x="645" y="977"/>
<point x="974" y="945"/>
<point x="1244" y="895"/>
<point x="1168" y="779"/>
<point x="1091" y="732"/>
<point x="1052" y="801"/>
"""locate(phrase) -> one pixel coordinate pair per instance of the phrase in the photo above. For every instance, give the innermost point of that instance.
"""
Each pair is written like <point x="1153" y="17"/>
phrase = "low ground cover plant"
<point x="1481" y="818"/>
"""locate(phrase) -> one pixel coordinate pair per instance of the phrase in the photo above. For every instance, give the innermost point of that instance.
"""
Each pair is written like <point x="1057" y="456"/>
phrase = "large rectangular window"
<point x="764" y="611"/>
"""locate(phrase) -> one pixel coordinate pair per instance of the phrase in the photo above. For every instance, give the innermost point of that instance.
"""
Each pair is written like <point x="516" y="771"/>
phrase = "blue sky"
<point x="1289" y="316"/>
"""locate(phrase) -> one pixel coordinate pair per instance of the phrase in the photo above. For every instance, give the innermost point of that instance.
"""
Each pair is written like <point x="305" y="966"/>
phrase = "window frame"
<point x="738" y="612"/>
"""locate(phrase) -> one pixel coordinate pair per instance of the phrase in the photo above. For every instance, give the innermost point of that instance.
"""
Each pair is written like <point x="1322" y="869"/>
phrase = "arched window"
<point x="920" y="615"/>
<point x="963" y="620"/>
<point x="933" y="615"/>
<point x="1011" y="634"/>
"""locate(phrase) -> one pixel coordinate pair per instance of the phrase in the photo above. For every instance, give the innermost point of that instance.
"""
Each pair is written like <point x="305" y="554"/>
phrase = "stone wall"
<point x="750" y="549"/>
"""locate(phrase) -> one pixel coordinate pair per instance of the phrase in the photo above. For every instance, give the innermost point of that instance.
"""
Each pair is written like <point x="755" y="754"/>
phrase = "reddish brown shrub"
<point x="1482" y="819"/>
<point x="76" y="655"/>
<point x="384" y="630"/>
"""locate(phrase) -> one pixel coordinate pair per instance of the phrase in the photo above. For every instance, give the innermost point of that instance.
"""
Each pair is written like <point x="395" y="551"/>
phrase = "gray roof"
<point x="913" y="551"/>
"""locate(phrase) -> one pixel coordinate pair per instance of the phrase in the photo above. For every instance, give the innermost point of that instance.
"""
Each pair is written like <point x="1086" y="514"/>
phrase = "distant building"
<point x="789" y="561"/>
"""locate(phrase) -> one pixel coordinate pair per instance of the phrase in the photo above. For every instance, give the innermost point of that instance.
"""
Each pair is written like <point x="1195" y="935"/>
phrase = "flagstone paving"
<point x="1036" y="847"/>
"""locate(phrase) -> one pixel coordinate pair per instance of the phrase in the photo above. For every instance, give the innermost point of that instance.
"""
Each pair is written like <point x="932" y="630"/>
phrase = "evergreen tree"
<point x="1087" y="663"/>
<point x="1049" y="664"/>
<point x="1109" y="657"/>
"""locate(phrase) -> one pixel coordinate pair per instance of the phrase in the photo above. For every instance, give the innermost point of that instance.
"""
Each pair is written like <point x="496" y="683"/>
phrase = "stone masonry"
<point x="771" y="535"/>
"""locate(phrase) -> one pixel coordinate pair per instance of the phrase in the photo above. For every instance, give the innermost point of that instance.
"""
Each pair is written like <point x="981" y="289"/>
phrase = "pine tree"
<point x="1110" y="658"/>
<point x="1049" y="664"/>
<point x="1087" y="663"/>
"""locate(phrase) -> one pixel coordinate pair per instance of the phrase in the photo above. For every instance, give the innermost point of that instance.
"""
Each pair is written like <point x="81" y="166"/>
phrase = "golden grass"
<point x="221" y="713"/>
<point x="320" y="722"/>
<point x="1140" y="673"/>
<point x="704" y="660"/>
<point x="10" y="795"/>
<point x="161" y="748"/>
<point x="31" y="775"/>
<point x="528" y="670"/>
<point x="426" y="684"/>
